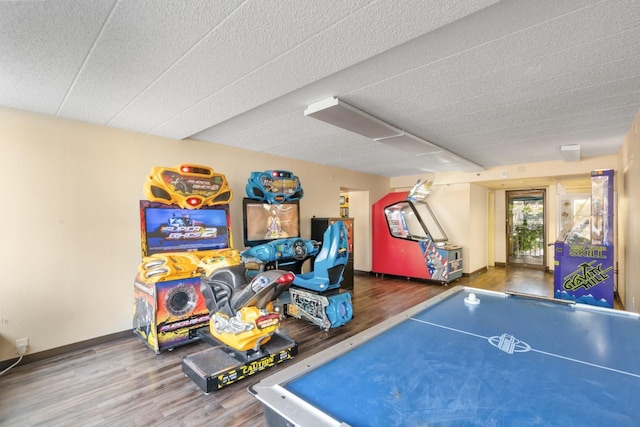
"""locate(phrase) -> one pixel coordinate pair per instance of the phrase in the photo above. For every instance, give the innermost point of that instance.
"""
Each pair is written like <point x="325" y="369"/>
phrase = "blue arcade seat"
<point x="330" y="262"/>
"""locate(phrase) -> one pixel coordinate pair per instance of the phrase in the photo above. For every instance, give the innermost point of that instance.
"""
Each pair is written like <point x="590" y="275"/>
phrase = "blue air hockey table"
<point x="501" y="359"/>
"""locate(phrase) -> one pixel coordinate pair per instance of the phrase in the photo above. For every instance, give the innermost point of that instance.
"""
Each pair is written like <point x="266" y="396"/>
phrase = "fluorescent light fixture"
<point x="448" y="161"/>
<point x="343" y="115"/>
<point x="570" y="153"/>
<point x="338" y="113"/>
<point x="410" y="143"/>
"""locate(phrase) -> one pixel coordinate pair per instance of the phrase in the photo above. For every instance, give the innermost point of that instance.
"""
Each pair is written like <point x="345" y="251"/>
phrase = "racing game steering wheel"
<point x="299" y="250"/>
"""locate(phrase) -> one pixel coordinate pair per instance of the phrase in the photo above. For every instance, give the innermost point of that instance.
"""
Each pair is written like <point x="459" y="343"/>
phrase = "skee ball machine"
<point x="185" y="220"/>
<point x="408" y="240"/>
<point x="584" y="252"/>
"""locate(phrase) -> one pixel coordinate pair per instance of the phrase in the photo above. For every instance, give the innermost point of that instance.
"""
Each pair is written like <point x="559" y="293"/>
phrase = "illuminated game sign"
<point x="188" y="186"/>
<point x="274" y="186"/>
<point x="420" y="191"/>
<point x="584" y="274"/>
<point x="166" y="228"/>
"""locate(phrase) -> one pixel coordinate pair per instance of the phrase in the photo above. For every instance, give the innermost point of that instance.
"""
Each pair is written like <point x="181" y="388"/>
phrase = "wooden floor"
<point x="123" y="383"/>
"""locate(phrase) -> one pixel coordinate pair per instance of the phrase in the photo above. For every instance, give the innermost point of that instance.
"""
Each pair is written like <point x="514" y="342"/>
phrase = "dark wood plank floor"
<point x="123" y="383"/>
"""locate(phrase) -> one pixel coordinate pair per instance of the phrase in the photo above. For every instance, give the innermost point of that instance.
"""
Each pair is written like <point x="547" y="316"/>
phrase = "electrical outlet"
<point x="22" y="345"/>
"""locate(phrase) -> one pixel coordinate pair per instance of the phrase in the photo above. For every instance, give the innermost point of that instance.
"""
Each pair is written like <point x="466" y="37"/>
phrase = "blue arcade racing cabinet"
<point x="314" y="296"/>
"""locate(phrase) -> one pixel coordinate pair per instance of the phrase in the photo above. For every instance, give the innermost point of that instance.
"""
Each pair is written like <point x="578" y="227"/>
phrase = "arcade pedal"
<point x="217" y="367"/>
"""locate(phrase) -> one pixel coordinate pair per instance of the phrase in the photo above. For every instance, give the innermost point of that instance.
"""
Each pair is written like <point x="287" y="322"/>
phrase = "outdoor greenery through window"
<point x="526" y="228"/>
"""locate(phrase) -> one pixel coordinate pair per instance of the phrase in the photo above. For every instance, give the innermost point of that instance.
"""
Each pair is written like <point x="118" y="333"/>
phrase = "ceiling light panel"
<point x="411" y="144"/>
<point x="342" y="115"/>
<point x="446" y="160"/>
<point x="570" y="153"/>
<point x="338" y="113"/>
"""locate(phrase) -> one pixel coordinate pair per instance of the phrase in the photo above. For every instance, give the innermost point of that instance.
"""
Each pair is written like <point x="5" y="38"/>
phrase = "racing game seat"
<point x="330" y="262"/>
<point x="228" y="289"/>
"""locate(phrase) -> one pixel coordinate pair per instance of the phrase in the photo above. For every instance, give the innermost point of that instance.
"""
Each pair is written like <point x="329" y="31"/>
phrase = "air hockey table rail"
<point x="470" y="357"/>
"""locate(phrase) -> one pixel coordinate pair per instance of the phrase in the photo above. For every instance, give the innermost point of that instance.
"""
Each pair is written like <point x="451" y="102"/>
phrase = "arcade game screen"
<point x="168" y="228"/>
<point x="414" y="221"/>
<point x="264" y="222"/>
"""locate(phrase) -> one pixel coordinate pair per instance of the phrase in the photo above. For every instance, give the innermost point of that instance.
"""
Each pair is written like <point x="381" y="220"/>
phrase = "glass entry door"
<point x="526" y="239"/>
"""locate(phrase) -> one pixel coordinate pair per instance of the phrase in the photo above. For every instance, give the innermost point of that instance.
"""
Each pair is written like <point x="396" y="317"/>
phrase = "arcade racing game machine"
<point x="408" y="240"/>
<point x="185" y="219"/>
<point x="191" y="274"/>
<point x="271" y="220"/>
<point x="584" y="252"/>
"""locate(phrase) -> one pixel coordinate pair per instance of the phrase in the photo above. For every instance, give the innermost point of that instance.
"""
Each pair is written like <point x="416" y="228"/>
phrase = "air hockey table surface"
<point x="501" y="359"/>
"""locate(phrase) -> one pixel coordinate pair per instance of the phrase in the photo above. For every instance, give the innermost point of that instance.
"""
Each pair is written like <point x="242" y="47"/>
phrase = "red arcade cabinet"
<point x="408" y="241"/>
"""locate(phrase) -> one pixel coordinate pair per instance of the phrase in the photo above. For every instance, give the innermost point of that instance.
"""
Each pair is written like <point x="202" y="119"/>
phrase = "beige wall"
<point x="514" y="173"/>
<point x="360" y="211"/>
<point x="451" y="205"/>
<point x="478" y="232"/>
<point x="628" y="248"/>
<point x="491" y="228"/>
<point x="500" y="228"/>
<point x="70" y="221"/>
<point x="476" y="245"/>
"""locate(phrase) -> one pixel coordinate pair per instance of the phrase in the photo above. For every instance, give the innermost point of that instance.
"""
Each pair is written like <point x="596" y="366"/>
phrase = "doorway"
<point x="526" y="239"/>
<point x="358" y="208"/>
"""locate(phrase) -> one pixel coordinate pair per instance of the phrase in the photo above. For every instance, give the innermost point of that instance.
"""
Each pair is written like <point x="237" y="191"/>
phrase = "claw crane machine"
<point x="584" y="252"/>
<point x="408" y="240"/>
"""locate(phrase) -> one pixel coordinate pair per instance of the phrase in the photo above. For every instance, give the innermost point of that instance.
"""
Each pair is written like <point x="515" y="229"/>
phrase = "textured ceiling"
<point x="495" y="82"/>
